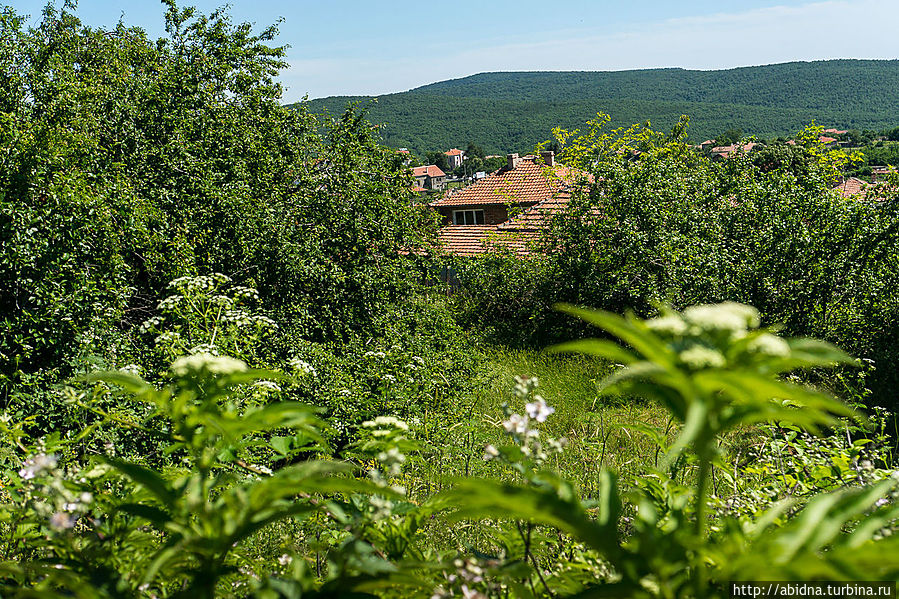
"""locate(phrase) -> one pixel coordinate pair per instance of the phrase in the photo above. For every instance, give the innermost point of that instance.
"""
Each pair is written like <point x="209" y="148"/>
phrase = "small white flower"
<point x="490" y="453"/>
<point x="302" y="367"/>
<point x="285" y="559"/>
<point x="37" y="465"/>
<point x="516" y="423"/>
<point x="538" y="410"/>
<point x="268" y="386"/>
<point x="62" y="521"/>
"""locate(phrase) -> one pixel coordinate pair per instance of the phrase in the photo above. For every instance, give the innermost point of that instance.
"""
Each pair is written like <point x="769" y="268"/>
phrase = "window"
<point x="468" y="217"/>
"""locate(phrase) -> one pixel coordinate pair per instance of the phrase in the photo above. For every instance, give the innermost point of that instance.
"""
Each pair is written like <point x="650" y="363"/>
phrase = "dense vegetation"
<point x="506" y="112"/>
<point x="227" y="367"/>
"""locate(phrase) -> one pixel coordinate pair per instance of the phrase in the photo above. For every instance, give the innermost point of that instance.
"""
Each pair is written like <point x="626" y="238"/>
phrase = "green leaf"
<point x="145" y="477"/>
<point x="596" y="347"/>
<point x="482" y="499"/>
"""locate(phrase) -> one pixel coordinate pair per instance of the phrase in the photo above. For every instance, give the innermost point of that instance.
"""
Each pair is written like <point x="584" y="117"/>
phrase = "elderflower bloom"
<point x="769" y="344"/>
<point x="728" y="316"/>
<point x="205" y="361"/>
<point x="700" y="356"/>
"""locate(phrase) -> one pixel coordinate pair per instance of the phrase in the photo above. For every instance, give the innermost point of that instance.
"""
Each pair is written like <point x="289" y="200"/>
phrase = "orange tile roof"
<point x="454" y="152"/>
<point x="526" y="184"/>
<point x="826" y="140"/>
<point x="726" y="151"/>
<point x="429" y="170"/>
<point x="472" y="240"/>
<point x="853" y="187"/>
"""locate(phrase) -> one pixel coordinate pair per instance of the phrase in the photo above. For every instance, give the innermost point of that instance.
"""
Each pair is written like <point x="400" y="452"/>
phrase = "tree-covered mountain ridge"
<point x="508" y="111"/>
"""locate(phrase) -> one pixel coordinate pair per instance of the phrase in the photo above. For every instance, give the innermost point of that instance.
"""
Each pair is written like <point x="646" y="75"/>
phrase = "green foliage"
<point x="130" y="162"/>
<point x="663" y="223"/>
<point x="713" y="370"/>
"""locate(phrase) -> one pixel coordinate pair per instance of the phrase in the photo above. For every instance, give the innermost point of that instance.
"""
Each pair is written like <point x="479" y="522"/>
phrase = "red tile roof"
<point x="429" y="170"/>
<point x="539" y="193"/>
<point x="836" y="131"/>
<point x="726" y="151"/>
<point x="826" y="140"/>
<point x="526" y="184"/>
<point x="454" y="152"/>
<point x="853" y="186"/>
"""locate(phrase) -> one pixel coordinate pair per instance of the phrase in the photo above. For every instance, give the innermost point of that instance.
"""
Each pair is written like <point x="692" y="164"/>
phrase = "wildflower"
<point x="670" y="324"/>
<point x="171" y="302"/>
<point x="285" y="560"/>
<point x="37" y="465"/>
<point x="538" y="410"/>
<point x="267" y="386"/>
<point x="389" y="378"/>
<point x="205" y="361"/>
<point x="131" y="369"/>
<point x="524" y="386"/>
<point x="728" y="316"/>
<point x="302" y="367"/>
<point x="700" y="356"/>
<point x="386" y="421"/>
<point x="516" y="424"/>
<point x="769" y="344"/>
<point x="490" y="453"/>
<point x="62" y="521"/>
<point x="169" y="337"/>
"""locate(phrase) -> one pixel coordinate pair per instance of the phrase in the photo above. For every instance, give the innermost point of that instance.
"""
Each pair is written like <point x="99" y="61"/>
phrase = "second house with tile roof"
<point x="429" y="177"/>
<point x="507" y="208"/>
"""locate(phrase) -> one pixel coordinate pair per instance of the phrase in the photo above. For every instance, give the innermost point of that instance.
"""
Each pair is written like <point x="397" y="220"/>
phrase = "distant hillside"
<point x="513" y="111"/>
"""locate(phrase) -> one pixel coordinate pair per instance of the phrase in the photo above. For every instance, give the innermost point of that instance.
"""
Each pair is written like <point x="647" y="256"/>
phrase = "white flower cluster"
<point x="201" y="362"/>
<point x="302" y="367"/>
<point x="65" y="505"/>
<point x="699" y="330"/>
<point x="134" y="369"/>
<point x="240" y="292"/>
<point x="268" y="386"/>
<point x="168" y="338"/>
<point x="385" y="425"/>
<point x="467" y="573"/>
<point x="264" y="322"/>
<point x="200" y="283"/>
<point x="221" y="300"/>
<point x="150" y="324"/>
<point x="204" y="348"/>
<point x="239" y="317"/>
<point x="374" y="354"/>
<point x="519" y="426"/>
<point x="393" y="460"/>
<point x="37" y="465"/>
<point x="170" y="303"/>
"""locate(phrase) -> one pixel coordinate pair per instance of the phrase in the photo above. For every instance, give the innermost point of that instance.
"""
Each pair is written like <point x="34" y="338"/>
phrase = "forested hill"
<point x="512" y="111"/>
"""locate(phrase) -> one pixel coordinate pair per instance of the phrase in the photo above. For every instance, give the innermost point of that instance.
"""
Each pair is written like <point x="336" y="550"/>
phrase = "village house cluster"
<point x="508" y="208"/>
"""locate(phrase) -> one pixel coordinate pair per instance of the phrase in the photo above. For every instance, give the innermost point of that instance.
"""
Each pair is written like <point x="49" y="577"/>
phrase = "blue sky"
<point x="356" y="47"/>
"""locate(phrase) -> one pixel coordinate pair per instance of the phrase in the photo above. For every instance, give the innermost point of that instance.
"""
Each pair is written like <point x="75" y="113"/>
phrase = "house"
<point x="429" y="177"/>
<point x="454" y="158"/>
<point x="724" y="152"/>
<point x="853" y="187"/>
<point x="507" y="208"/>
